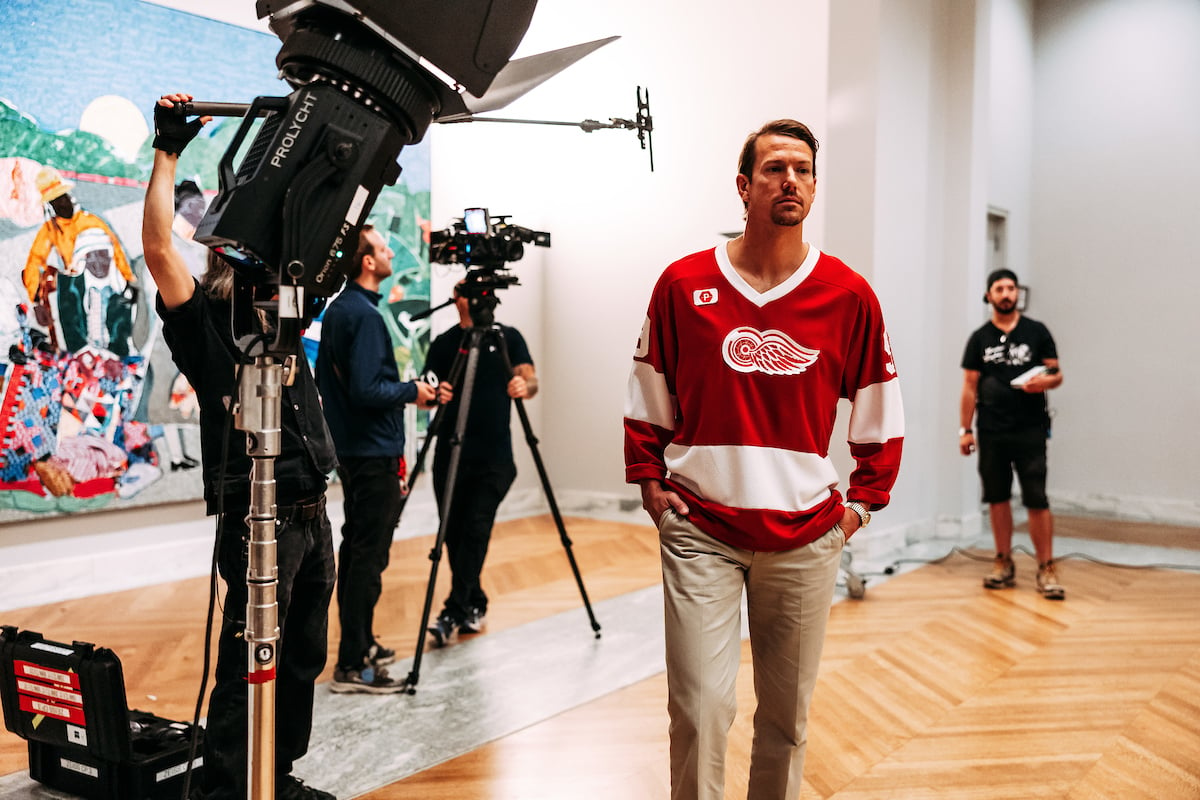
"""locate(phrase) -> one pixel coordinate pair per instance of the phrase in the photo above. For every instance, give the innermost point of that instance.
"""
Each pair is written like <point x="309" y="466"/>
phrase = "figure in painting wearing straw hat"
<point x="77" y="295"/>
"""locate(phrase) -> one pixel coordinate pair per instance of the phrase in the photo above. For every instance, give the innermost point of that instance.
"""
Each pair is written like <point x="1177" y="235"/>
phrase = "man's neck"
<point x="368" y="282"/>
<point x="1006" y="322"/>
<point x="767" y="257"/>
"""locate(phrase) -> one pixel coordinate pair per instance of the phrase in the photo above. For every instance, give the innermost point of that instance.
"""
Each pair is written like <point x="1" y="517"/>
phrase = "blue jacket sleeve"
<point x="368" y="366"/>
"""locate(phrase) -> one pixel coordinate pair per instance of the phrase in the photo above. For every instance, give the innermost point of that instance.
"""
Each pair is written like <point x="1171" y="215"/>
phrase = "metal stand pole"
<point x="259" y="397"/>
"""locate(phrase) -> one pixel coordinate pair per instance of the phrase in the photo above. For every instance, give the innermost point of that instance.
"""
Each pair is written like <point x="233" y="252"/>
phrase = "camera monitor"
<point x="476" y="221"/>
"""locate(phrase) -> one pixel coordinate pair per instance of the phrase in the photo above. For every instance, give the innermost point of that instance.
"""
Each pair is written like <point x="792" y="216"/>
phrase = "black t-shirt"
<point x="1000" y="357"/>
<point x="487" y="437"/>
<point x="199" y="336"/>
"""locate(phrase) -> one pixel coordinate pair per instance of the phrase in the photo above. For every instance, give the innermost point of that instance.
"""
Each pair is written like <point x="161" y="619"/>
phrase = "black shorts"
<point x="1023" y="451"/>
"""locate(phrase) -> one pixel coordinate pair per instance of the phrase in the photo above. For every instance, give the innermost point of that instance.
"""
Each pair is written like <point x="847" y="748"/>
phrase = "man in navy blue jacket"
<point x="364" y="406"/>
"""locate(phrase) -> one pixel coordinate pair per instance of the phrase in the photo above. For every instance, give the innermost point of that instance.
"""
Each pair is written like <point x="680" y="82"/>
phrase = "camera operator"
<point x="196" y="320"/>
<point x="364" y="406"/>
<point x="486" y="469"/>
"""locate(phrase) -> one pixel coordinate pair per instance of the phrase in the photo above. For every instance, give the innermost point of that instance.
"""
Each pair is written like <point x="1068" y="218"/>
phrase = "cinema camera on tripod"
<point x="485" y="245"/>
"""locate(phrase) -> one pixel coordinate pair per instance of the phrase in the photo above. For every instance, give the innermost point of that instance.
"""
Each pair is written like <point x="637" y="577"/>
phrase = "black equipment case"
<point x="68" y="702"/>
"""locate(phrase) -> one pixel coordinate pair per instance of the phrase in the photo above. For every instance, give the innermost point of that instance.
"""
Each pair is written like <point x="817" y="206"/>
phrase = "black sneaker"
<point x="474" y="622"/>
<point x="289" y="787"/>
<point x="380" y="656"/>
<point x="368" y="680"/>
<point x="442" y="630"/>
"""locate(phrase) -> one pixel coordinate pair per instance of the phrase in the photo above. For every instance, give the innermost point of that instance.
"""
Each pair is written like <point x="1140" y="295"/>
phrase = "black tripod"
<point x="462" y="374"/>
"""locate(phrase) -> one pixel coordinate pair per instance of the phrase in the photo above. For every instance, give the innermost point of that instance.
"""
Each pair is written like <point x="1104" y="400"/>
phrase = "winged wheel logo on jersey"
<point x="770" y="352"/>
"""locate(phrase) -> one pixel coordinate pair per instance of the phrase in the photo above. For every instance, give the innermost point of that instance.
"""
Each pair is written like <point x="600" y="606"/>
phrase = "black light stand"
<point x="463" y="373"/>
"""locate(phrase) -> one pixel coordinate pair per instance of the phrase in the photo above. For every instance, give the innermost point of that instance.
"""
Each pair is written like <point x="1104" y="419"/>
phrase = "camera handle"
<point x="465" y="369"/>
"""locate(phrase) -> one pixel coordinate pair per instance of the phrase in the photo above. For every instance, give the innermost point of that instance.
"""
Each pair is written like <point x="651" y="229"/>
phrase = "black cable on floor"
<point x="891" y="570"/>
<point x="1102" y="562"/>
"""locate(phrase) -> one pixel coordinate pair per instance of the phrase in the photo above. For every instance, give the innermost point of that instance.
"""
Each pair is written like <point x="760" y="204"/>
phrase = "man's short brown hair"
<point x="365" y="248"/>
<point x="782" y="127"/>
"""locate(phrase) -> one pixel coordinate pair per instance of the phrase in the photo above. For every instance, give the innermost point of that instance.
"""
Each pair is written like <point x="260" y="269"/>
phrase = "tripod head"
<point x="479" y="288"/>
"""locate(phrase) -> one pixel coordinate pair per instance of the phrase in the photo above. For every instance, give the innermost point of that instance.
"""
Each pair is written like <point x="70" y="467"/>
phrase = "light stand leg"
<point x="259" y="397"/>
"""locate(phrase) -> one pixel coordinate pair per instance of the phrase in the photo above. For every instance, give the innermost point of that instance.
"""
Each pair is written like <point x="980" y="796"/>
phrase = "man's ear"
<point x="743" y="185"/>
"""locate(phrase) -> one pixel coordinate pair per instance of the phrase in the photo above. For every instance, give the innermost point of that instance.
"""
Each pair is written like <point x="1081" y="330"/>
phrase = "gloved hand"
<point x="172" y="131"/>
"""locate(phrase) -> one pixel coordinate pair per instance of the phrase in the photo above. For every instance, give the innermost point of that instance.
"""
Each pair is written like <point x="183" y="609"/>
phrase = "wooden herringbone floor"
<point x="930" y="687"/>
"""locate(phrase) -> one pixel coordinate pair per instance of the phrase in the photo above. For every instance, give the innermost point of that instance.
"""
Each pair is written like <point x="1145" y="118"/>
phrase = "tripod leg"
<point x="419" y="465"/>
<point x="435" y="555"/>
<point x="531" y="440"/>
<point x="554" y="512"/>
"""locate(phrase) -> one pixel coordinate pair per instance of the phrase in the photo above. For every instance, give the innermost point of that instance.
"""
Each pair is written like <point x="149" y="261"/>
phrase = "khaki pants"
<point x="788" y="598"/>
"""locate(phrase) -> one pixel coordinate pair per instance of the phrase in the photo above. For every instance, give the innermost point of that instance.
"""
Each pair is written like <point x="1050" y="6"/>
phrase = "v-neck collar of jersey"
<point x="760" y="299"/>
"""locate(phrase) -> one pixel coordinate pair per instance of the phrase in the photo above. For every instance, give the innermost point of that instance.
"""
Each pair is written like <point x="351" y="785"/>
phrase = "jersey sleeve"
<point x="876" y="434"/>
<point x="651" y="406"/>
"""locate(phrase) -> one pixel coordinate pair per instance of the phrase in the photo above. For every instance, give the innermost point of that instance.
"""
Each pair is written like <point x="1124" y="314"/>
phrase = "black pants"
<point x="305" y="558"/>
<point x="479" y="487"/>
<point x="371" y="488"/>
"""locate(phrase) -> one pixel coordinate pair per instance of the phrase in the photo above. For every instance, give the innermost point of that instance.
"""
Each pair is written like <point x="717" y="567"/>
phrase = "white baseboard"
<point x="1161" y="511"/>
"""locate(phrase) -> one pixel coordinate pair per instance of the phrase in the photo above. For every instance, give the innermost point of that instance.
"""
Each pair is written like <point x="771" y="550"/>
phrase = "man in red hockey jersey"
<point x="744" y="354"/>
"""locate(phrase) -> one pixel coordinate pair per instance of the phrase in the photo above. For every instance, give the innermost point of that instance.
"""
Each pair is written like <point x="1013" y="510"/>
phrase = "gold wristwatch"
<point x="864" y="515"/>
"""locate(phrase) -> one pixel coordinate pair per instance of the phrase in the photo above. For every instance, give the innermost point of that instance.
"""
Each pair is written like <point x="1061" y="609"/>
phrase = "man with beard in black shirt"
<point x="1008" y="366"/>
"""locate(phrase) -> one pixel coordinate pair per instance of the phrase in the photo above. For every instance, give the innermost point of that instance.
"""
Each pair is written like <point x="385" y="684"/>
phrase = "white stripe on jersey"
<point x="878" y="414"/>
<point x="647" y="398"/>
<point x="752" y="477"/>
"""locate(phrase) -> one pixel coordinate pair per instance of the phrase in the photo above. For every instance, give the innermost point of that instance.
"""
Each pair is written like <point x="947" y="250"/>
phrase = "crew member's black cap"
<point x="1001" y="274"/>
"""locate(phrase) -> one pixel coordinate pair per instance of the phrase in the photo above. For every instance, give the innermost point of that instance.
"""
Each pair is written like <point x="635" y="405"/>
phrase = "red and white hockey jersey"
<point x="733" y="396"/>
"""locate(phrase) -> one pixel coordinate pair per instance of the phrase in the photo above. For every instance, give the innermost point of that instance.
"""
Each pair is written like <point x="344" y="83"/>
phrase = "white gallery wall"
<point x="1116" y="209"/>
<point x="1078" y="119"/>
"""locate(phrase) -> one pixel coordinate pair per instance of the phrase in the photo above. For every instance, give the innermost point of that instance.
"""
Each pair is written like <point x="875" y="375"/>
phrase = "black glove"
<point x="172" y="131"/>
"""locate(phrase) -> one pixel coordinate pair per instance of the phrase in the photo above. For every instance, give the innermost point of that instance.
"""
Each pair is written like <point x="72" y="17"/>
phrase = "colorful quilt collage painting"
<point x="94" y="414"/>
